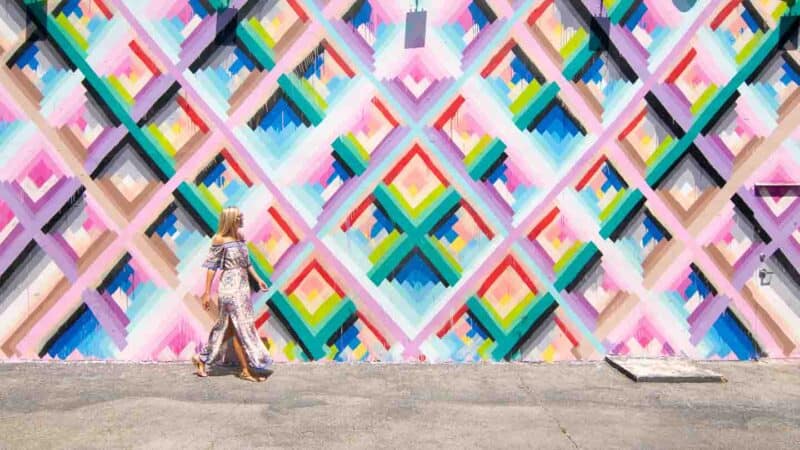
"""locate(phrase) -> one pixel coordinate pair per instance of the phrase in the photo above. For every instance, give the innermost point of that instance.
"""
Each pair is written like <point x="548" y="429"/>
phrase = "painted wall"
<point x="544" y="180"/>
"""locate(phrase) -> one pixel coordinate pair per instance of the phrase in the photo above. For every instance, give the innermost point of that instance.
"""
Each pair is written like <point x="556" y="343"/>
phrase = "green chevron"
<point x="538" y="104"/>
<point x="575" y="264"/>
<point x="578" y="60"/>
<point x="623" y="208"/>
<point x="506" y="340"/>
<point x="304" y="96"/>
<point x="415" y="234"/>
<point x="617" y="12"/>
<point x="314" y="339"/>
<point x="518" y="105"/>
<point x="257" y="41"/>
<point x="200" y="204"/>
<point x="513" y="317"/>
<point x="352" y="153"/>
<point x="484" y="156"/>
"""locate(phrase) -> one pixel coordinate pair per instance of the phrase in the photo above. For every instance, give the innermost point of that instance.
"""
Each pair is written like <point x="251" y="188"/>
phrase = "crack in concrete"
<point x="563" y="430"/>
<point x="524" y="386"/>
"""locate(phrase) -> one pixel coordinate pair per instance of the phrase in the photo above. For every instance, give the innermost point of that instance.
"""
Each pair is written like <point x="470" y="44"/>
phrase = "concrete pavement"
<point x="567" y="406"/>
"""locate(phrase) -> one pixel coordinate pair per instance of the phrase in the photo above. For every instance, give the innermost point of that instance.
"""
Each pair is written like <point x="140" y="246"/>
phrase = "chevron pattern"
<point x="544" y="180"/>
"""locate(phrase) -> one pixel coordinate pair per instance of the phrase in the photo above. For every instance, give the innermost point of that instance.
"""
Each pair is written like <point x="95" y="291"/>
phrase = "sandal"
<point x="199" y="366"/>
<point x="251" y="378"/>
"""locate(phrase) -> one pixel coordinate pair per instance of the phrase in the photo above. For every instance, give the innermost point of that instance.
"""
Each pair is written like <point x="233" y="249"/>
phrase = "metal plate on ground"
<point x="661" y="370"/>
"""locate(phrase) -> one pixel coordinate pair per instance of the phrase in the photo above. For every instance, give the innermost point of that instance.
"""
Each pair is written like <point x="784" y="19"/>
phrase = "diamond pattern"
<point x="543" y="180"/>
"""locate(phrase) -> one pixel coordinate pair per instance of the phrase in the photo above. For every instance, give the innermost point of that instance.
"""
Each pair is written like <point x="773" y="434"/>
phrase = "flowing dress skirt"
<point x="236" y="310"/>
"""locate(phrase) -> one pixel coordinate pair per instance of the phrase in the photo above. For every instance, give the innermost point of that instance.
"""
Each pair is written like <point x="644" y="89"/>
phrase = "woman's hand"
<point x="206" y="299"/>
<point x="261" y="285"/>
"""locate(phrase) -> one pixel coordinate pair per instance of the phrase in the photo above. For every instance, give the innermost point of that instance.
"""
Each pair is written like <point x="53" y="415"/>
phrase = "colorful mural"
<point x="544" y="180"/>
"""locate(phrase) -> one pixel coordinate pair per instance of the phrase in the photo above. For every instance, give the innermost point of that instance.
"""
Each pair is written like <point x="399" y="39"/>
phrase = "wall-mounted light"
<point x="684" y="5"/>
<point x="764" y="274"/>
<point x="416" y="27"/>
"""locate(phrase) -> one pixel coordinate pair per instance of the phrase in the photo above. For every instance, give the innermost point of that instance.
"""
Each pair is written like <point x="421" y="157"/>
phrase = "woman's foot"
<point x="199" y="367"/>
<point x="251" y="378"/>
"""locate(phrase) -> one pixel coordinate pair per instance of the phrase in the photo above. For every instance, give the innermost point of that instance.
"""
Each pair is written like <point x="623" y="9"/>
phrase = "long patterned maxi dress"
<point x="234" y="306"/>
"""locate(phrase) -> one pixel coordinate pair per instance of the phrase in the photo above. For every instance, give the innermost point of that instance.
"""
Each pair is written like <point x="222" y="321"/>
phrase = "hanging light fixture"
<point x="416" y="26"/>
<point x="684" y="5"/>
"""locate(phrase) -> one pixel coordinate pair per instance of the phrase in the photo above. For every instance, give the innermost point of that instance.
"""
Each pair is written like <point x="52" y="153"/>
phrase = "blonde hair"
<point x="229" y="222"/>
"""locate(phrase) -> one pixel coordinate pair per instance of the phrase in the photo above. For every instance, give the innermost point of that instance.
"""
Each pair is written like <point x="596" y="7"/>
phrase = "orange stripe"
<point x="449" y="113"/>
<point x="477" y="218"/>
<point x="566" y="331"/>
<point x="192" y="114"/>
<point x="449" y="324"/>
<point x="595" y="167"/>
<point x="236" y="167"/>
<point x="298" y="10"/>
<point x="338" y="59"/>
<point x="551" y="216"/>
<point x="538" y="12"/>
<point x="382" y="108"/>
<point x="357" y="213"/>
<point x="498" y="58"/>
<point x="103" y="8"/>
<point x="283" y="224"/>
<point x="261" y="320"/>
<point x="374" y="330"/>
<point x="145" y="59"/>
<point x="680" y="68"/>
<point x="632" y="125"/>
<point x="416" y="151"/>
<point x="724" y="14"/>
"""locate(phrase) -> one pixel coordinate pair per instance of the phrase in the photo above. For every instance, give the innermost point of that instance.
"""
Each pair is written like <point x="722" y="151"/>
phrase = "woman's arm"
<point x="210" y="273"/>
<point x="209" y="281"/>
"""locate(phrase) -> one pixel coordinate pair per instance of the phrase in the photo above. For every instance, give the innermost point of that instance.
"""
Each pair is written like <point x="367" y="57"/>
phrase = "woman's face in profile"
<point x="240" y="220"/>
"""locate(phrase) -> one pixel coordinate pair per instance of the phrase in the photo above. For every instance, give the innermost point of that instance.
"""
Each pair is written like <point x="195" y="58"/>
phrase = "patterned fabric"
<point x="230" y="255"/>
<point x="235" y="307"/>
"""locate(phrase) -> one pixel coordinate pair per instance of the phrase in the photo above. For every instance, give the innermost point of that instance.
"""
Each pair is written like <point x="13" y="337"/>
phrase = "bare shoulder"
<point x="240" y="235"/>
<point x="217" y="240"/>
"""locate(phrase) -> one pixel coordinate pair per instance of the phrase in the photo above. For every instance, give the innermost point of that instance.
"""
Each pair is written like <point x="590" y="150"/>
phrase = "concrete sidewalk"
<point x="395" y="406"/>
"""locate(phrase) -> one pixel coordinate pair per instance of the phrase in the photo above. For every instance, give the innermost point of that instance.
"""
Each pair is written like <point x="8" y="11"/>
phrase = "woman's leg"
<point x="216" y="337"/>
<point x="237" y="347"/>
<point x="247" y="345"/>
<point x="230" y="332"/>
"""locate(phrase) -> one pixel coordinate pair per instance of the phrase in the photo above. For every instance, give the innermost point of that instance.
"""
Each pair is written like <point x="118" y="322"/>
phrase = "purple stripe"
<point x="150" y="93"/>
<point x="12" y="246"/>
<point x="106" y="316"/>
<point x="57" y="199"/>
<point x="478" y="44"/>
<point x="102" y="146"/>
<point x="704" y="317"/>
<point x="357" y="44"/>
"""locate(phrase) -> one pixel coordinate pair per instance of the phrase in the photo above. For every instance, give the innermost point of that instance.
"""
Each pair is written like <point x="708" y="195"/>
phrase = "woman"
<point x="229" y="254"/>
